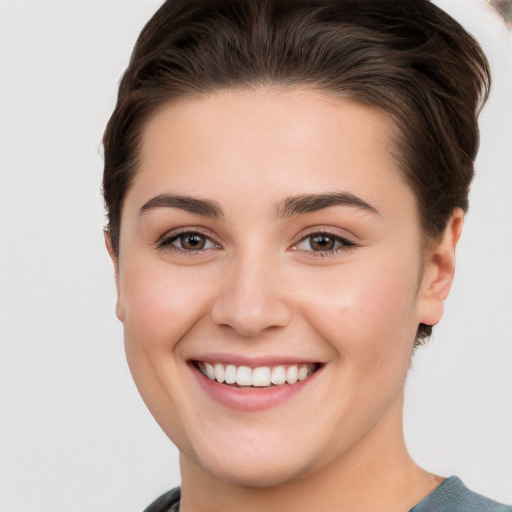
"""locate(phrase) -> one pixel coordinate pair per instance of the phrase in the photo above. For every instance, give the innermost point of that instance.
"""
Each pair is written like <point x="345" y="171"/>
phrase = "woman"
<point x="286" y="184"/>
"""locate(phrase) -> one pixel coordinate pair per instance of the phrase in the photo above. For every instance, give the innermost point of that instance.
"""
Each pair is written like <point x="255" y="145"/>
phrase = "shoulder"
<point x="165" y="502"/>
<point x="453" y="496"/>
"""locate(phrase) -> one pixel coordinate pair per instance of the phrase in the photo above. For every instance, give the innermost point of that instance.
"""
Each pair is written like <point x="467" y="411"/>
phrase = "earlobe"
<point x="115" y="260"/>
<point x="439" y="270"/>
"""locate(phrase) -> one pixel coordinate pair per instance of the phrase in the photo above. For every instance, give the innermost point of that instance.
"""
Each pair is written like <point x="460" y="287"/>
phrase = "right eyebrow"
<point x="204" y="207"/>
<point x="308" y="203"/>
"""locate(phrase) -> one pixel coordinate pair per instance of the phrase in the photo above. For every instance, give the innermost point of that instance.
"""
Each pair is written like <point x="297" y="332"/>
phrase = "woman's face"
<point x="269" y="237"/>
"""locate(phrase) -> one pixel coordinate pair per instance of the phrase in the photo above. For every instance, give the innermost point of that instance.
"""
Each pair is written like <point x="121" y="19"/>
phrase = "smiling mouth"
<point x="258" y="377"/>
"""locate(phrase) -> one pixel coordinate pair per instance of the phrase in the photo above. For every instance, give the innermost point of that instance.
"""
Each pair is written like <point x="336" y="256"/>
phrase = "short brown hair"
<point x="408" y="58"/>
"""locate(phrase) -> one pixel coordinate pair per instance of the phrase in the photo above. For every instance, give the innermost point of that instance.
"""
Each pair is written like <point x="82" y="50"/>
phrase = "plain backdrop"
<point x="74" y="435"/>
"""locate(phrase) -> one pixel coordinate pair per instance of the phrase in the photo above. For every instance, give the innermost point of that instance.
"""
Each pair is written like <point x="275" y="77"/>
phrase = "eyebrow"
<point x="308" y="203"/>
<point x="289" y="207"/>
<point x="204" y="207"/>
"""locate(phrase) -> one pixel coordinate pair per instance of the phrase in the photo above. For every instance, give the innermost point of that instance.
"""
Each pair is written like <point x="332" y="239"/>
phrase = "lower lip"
<point x="251" y="399"/>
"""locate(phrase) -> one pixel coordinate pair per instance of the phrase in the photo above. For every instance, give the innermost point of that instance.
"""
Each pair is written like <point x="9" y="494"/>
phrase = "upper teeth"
<point x="261" y="376"/>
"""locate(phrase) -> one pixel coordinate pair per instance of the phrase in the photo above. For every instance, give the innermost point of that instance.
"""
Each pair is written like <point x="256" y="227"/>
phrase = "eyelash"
<point x="342" y="244"/>
<point x="167" y="243"/>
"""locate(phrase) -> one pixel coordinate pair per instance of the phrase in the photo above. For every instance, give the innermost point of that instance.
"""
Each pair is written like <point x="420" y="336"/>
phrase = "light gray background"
<point x="74" y="435"/>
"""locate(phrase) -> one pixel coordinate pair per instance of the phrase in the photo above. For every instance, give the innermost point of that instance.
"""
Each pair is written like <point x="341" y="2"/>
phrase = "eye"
<point x="188" y="241"/>
<point x="323" y="243"/>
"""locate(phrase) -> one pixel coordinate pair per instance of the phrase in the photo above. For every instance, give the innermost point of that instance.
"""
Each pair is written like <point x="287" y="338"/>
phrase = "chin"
<point x="258" y="468"/>
<point x="254" y="474"/>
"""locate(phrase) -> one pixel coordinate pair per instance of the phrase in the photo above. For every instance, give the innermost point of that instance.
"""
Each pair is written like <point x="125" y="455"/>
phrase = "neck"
<point x="376" y="473"/>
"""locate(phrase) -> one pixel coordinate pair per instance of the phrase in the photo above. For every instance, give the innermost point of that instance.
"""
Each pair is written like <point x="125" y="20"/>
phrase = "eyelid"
<point x="164" y="242"/>
<point x="337" y="232"/>
<point x="347" y="242"/>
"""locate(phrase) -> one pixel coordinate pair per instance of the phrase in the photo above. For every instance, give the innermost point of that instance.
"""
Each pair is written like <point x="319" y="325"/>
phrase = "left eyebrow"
<point x="309" y="203"/>
<point x="204" y="207"/>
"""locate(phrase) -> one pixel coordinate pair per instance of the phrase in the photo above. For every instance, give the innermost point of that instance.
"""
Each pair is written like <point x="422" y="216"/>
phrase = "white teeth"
<point x="230" y="374"/>
<point x="303" y="372"/>
<point x="291" y="374"/>
<point x="244" y="376"/>
<point x="210" y="371"/>
<point x="278" y="375"/>
<point x="261" y="377"/>
<point x="219" y="372"/>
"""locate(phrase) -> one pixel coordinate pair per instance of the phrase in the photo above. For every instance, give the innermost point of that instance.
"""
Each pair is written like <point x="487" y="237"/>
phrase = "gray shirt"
<point x="453" y="496"/>
<point x="450" y="496"/>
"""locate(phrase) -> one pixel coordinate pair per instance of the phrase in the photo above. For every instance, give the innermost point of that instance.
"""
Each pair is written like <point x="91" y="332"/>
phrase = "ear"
<point x="114" y="256"/>
<point x="439" y="269"/>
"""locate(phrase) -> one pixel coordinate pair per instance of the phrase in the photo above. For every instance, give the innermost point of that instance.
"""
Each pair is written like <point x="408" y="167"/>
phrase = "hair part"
<point x="407" y="58"/>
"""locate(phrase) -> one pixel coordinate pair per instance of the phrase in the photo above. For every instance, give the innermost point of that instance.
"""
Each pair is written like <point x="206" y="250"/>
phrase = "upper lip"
<point x="252" y="361"/>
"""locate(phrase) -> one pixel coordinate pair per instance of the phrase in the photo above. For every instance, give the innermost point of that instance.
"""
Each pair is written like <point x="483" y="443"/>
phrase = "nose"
<point x="252" y="297"/>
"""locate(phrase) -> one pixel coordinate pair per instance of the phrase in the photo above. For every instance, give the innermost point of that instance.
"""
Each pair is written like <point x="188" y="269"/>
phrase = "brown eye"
<point x="189" y="241"/>
<point x="322" y="242"/>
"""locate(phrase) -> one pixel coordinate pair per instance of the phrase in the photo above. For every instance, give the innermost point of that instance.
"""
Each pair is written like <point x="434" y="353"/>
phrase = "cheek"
<point x="160" y="307"/>
<point x="161" y="303"/>
<point x="366" y="310"/>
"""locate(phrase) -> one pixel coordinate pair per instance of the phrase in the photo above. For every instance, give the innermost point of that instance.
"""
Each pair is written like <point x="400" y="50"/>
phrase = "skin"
<point x="260" y="289"/>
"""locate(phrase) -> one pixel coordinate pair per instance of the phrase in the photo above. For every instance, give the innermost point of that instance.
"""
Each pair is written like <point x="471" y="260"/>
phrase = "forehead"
<point x="270" y="143"/>
<point x="230" y="116"/>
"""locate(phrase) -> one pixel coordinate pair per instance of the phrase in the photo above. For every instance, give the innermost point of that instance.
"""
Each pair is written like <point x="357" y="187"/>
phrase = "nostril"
<point x="249" y="316"/>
